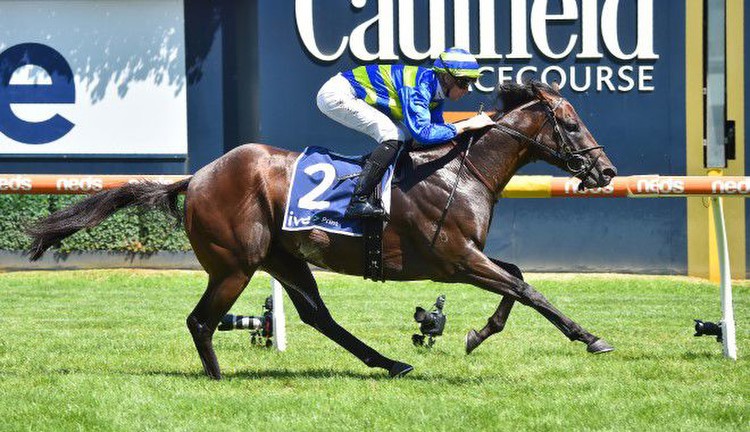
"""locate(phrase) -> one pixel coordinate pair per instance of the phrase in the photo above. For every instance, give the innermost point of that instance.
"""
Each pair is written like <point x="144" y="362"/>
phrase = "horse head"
<point x="555" y="133"/>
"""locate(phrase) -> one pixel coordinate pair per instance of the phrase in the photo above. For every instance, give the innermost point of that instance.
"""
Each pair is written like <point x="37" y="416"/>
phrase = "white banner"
<point x="92" y="77"/>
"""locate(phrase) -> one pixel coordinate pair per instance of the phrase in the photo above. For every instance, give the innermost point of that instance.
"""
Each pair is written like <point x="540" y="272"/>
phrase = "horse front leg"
<point x="483" y="273"/>
<point x="495" y="323"/>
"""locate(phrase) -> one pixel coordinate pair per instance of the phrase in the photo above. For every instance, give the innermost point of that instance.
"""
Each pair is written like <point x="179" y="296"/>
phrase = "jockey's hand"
<point x="479" y="121"/>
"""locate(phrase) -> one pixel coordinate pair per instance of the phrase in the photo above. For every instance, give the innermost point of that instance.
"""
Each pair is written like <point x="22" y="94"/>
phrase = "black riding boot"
<point x="360" y="205"/>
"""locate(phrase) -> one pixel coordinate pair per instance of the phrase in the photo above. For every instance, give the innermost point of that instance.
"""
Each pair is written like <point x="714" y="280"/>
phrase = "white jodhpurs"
<point x="337" y="100"/>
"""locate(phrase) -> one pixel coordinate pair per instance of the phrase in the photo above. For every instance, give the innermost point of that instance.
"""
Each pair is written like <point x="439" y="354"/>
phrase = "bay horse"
<point x="234" y="208"/>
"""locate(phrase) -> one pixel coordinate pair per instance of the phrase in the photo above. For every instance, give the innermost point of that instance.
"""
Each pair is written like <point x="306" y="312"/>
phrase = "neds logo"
<point x="731" y="186"/>
<point x="572" y="185"/>
<point x="61" y="90"/>
<point x="16" y="183"/>
<point x="660" y="186"/>
<point x="85" y="184"/>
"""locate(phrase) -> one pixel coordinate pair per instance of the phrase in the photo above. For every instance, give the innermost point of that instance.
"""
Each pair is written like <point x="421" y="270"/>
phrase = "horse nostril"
<point x="606" y="176"/>
<point x="609" y="172"/>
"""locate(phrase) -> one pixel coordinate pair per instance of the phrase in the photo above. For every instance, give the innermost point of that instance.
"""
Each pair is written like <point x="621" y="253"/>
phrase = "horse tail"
<point x="91" y="211"/>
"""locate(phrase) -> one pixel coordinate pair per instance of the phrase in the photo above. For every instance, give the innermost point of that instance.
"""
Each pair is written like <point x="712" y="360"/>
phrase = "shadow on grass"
<point x="284" y="375"/>
<point x="275" y="374"/>
<point x="316" y="374"/>
<point x="376" y="375"/>
<point x="702" y="355"/>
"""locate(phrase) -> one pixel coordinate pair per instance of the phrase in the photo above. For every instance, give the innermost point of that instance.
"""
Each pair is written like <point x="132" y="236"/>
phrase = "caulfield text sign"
<point x="593" y="33"/>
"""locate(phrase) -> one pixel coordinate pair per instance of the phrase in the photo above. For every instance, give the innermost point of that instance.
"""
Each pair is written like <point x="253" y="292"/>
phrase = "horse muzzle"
<point x="606" y="175"/>
<point x="598" y="177"/>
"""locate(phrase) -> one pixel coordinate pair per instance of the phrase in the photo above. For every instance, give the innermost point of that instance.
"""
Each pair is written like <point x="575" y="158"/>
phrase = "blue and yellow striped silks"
<point x="379" y="85"/>
<point x="404" y="93"/>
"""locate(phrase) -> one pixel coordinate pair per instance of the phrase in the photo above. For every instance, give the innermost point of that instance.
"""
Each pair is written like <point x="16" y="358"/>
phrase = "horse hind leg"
<point x="220" y="295"/>
<point x="298" y="281"/>
<point x="496" y="322"/>
<point x="229" y="271"/>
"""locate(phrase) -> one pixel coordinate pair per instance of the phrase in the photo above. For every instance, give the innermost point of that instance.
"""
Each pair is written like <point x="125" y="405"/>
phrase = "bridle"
<point x="565" y="154"/>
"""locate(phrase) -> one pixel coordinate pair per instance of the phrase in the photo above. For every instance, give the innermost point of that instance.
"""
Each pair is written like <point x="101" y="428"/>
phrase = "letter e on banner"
<point x="61" y="90"/>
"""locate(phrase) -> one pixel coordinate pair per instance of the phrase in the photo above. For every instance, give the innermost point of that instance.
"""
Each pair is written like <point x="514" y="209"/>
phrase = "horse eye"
<point x="571" y="126"/>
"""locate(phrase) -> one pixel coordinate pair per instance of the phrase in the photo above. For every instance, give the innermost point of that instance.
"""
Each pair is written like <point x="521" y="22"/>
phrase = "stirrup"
<point x="362" y="208"/>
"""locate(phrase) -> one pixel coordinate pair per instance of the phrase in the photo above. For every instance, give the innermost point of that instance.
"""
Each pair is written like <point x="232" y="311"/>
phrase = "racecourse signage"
<point x="596" y="37"/>
<point x="91" y="77"/>
<point x="519" y="186"/>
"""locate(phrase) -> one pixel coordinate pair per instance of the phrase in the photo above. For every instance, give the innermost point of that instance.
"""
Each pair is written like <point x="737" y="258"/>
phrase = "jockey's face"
<point x="457" y="87"/>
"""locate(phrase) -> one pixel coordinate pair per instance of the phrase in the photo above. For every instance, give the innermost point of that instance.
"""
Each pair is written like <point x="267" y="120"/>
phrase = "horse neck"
<point x="497" y="157"/>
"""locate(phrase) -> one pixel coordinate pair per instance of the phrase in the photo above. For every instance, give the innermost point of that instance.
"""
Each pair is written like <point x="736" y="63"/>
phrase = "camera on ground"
<point x="260" y="327"/>
<point x="431" y="323"/>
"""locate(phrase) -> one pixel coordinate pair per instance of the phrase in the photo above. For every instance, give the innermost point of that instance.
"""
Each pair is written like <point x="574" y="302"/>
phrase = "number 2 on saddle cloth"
<point x="321" y="188"/>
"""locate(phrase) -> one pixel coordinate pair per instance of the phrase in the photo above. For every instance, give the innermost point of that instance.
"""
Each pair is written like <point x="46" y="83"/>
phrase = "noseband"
<point x="573" y="160"/>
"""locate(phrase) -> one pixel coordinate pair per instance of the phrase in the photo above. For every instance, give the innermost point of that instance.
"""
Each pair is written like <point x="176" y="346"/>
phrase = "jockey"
<point x="390" y="103"/>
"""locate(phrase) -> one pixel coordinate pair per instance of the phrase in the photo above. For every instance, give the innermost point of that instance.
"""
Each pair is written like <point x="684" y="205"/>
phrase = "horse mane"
<point x="511" y="94"/>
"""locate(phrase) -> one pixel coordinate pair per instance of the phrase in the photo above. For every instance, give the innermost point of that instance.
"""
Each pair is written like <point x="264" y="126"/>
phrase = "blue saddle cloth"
<point x="322" y="186"/>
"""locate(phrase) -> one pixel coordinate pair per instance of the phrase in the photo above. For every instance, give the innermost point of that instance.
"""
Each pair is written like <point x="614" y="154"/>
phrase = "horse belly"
<point x="345" y="254"/>
<point x="338" y="253"/>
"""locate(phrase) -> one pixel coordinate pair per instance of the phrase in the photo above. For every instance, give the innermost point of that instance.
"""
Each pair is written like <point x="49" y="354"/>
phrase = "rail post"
<point x="727" y="312"/>
<point x="279" y="321"/>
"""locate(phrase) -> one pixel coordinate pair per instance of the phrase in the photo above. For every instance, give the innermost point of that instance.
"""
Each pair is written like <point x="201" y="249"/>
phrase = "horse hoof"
<point x="472" y="341"/>
<point x="399" y="370"/>
<point x="599" y="346"/>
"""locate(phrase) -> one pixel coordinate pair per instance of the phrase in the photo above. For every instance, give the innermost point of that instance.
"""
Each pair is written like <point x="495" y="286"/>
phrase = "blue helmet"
<point x="457" y="62"/>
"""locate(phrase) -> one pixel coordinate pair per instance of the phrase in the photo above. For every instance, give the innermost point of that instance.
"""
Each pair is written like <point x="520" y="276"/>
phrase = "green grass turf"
<point x="108" y="350"/>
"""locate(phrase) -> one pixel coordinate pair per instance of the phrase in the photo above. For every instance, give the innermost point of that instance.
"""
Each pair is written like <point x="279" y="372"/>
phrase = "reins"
<point x="464" y="158"/>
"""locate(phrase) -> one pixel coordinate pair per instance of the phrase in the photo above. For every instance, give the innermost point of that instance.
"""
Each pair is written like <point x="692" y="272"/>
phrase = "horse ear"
<point x="536" y="90"/>
<point x="555" y="86"/>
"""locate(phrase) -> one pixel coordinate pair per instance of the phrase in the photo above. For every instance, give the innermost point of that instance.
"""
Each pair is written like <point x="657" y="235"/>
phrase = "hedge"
<point x="131" y="230"/>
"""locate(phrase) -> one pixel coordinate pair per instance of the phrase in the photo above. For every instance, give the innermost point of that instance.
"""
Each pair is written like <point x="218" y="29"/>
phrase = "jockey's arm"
<point x="418" y="119"/>
<point x="479" y="121"/>
<point x="436" y="113"/>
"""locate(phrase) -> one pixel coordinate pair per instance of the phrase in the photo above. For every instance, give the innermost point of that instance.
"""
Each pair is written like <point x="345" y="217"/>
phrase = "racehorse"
<point x="234" y="208"/>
